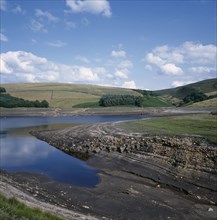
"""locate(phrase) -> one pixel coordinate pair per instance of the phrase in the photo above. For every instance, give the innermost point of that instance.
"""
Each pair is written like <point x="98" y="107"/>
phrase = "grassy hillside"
<point x="175" y="95"/>
<point x="64" y="96"/>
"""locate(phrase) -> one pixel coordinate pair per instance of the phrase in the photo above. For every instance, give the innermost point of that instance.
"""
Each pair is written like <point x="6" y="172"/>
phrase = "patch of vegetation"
<point x="8" y="101"/>
<point x="194" y="96"/>
<point x="154" y="101"/>
<point x="117" y="100"/>
<point x="2" y="89"/>
<point x="11" y="208"/>
<point x="87" y="105"/>
<point x="199" y="124"/>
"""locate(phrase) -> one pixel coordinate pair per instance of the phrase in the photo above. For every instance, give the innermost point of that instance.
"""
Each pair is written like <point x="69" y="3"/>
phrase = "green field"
<point x="198" y="124"/>
<point x="10" y="208"/>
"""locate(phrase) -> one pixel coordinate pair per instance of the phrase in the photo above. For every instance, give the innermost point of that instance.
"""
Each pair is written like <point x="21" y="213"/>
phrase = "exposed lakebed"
<point x="22" y="152"/>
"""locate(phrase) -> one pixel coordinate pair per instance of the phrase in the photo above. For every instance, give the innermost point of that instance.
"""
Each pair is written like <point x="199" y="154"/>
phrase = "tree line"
<point x="8" y="101"/>
<point x="117" y="100"/>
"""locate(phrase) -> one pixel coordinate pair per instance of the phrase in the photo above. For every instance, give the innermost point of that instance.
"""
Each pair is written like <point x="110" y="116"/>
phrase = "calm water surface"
<point x="21" y="152"/>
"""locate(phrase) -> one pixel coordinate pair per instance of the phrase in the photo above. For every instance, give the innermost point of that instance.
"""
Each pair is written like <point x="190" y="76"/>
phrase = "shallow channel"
<point x="21" y="152"/>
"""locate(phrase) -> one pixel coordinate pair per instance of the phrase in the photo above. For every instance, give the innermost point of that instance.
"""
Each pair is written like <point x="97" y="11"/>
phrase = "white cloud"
<point x="19" y="10"/>
<point x="93" y="6"/>
<point x="152" y="59"/>
<point x="125" y="64"/>
<point x="3" y="5"/>
<point x="21" y="66"/>
<point x="182" y="83"/>
<point x="202" y="69"/>
<point x="129" y="84"/>
<point x="57" y="43"/>
<point x="37" y="26"/>
<point x="171" y="69"/>
<point x="182" y="59"/>
<point x="3" y="37"/>
<point x="45" y="14"/>
<point x="118" y="54"/>
<point x="123" y="74"/>
<point x="199" y="53"/>
<point x="82" y="59"/>
<point x="4" y="68"/>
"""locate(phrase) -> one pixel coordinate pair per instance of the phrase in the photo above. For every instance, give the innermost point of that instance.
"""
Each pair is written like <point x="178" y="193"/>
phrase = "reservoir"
<point x="22" y="152"/>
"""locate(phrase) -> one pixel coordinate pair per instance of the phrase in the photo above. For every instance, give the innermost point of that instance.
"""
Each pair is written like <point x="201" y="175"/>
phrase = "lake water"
<point x="21" y="152"/>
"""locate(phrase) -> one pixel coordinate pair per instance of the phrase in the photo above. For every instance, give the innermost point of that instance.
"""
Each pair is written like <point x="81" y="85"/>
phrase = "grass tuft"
<point x="11" y="208"/>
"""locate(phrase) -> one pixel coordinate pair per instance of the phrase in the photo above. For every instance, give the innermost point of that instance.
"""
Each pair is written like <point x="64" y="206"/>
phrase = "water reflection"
<point x="21" y="152"/>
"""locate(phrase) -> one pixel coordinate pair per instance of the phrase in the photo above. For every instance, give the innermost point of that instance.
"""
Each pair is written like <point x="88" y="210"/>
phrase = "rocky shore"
<point x="142" y="176"/>
<point x="141" y="168"/>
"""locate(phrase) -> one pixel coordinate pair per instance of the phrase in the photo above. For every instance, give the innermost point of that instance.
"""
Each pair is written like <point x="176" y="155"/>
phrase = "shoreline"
<point x="102" y="112"/>
<point x="136" y="183"/>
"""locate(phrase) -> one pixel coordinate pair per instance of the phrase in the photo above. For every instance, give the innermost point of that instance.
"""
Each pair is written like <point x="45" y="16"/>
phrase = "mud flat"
<point x="142" y="176"/>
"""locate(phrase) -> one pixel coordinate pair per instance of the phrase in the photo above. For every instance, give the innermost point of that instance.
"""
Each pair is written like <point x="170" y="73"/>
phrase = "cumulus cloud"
<point x="182" y="59"/>
<point x="123" y="74"/>
<point x="129" y="84"/>
<point x="93" y="7"/>
<point x="199" y="53"/>
<point x="3" y="37"/>
<point x="27" y="67"/>
<point x="118" y="54"/>
<point x="171" y="69"/>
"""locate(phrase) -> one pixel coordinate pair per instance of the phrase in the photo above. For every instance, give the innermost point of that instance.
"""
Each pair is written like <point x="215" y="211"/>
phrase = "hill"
<point x="65" y="96"/>
<point x="176" y="95"/>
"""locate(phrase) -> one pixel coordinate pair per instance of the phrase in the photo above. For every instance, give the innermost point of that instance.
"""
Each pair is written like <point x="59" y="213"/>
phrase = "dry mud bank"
<point x="142" y="176"/>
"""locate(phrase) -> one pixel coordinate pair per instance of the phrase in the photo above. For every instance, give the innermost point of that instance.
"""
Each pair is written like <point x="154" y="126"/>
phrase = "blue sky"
<point x="134" y="44"/>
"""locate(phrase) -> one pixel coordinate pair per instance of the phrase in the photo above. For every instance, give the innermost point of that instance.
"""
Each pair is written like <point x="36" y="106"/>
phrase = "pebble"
<point x="85" y="206"/>
<point x="210" y="209"/>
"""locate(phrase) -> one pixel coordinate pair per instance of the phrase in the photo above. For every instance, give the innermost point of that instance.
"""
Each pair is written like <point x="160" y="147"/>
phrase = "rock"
<point x="210" y="209"/>
<point x="96" y="150"/>
<point x="85" y="206"/>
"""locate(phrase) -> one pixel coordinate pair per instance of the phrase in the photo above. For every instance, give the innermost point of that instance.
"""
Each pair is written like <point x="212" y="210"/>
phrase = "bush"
<point x="2" y="89"/>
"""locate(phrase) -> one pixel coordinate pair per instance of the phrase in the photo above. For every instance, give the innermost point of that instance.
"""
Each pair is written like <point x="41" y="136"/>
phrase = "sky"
<point x="146" y="44"/>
